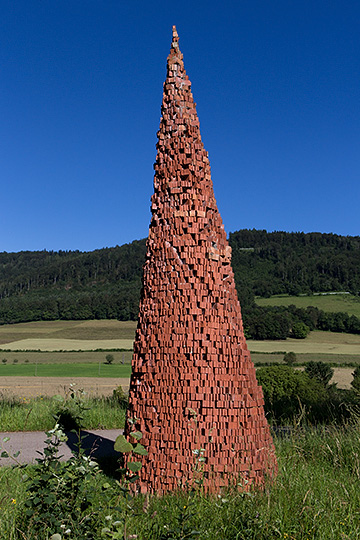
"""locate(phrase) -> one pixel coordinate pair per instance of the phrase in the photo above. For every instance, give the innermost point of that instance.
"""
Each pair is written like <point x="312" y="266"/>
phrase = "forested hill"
<point x="49" y="285"/>
<point x="106" y="283"/>
<point x="293" y="263"/>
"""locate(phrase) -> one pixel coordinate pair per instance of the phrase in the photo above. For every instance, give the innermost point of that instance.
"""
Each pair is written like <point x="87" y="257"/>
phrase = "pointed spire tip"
<point x="175" y="34"/>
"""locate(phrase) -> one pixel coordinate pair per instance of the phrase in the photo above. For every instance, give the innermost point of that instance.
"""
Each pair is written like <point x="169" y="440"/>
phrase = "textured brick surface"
<point x="193" y="384"/>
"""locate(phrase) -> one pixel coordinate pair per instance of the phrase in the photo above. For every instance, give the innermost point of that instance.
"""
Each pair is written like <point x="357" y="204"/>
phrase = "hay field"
<point x="347" y="303"/>
<point x="31" y="387"/>
<point x="64" y="357"/>
<point x="68" y="335"/>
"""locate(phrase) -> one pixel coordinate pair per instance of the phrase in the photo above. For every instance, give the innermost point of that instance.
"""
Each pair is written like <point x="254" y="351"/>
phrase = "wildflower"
<point x="13" y="501"/>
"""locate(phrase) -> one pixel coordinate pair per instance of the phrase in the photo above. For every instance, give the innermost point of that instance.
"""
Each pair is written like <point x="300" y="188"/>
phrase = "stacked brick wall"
<point x="193" y="387"/>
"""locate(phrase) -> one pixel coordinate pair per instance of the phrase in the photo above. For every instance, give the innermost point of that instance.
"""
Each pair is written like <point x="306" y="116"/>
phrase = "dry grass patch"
<point x="31" y="387"/>
<point x="68" y="335"/>
<point x="343" y="377"/>
<point x="49" y="344"/>
<point x="99" y="329"/>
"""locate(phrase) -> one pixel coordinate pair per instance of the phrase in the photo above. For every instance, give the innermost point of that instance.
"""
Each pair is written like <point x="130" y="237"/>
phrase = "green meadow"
<point x="347" y="303"/>
<point x="66" y="370"/>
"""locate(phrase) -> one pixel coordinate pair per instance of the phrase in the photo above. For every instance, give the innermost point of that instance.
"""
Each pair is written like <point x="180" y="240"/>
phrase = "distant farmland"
<point x="68" y="335"/>
<point x="347" y="303"/>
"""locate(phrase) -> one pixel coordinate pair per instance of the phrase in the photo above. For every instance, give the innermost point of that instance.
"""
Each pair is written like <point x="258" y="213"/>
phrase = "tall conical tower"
<point x="193" y="388"/>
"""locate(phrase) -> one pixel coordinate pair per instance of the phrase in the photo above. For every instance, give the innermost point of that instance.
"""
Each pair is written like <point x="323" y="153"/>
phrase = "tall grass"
<point x="38" y="414"/>
<point x="315" y="496"/>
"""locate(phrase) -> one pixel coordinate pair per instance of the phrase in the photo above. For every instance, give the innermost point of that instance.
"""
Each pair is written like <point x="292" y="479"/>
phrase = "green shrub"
<point x="120" y="397"/>
<point x="289" y="358"/>
<point x="69" y="411"/>
<point x="109" y="359"/>
<point x="300" y="330"/>
<point x="355" y="383"/>
<point x="320" y="371"/>
<point x="287" y="392"/>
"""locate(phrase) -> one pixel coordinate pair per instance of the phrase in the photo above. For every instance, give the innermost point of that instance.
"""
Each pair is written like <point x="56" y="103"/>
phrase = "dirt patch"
<point x="343" y="377"/>
<point x="49" y="386"/>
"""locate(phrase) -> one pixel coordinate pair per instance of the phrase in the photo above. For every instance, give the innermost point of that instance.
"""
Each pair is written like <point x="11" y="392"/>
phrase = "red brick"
<point x="190" y="347"/>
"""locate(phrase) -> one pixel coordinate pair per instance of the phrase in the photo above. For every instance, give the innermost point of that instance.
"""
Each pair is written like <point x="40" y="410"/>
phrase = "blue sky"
<point x="277" y="87"/>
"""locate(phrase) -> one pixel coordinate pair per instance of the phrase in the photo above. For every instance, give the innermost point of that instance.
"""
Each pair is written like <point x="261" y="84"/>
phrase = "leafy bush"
<point x="69" y="411"/>
<point x="120" y="397"/>
<point x="109" y="358"/>
<point x="289" y="358"/>
<point x="320" y="371"/>
<point x="355" y="383"/>
<point x="300" y="330"/>
<point x="289" y="393"/>
<point x="58" y="494"/>
<point x="286" y="391"/>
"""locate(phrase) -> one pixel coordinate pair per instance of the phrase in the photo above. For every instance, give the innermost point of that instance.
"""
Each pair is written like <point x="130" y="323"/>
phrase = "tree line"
<point x="106" y="283"/>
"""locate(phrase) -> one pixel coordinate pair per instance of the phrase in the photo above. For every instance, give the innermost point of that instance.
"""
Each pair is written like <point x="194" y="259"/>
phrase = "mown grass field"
<point x="66" y="370"/>
<point x="347" y="303"/>
<point x="68" y="335"/>
<point x="65" y="357"/>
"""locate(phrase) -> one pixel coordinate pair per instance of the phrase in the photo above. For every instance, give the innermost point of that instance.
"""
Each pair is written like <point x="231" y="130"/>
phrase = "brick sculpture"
<point x="193" y="389"/>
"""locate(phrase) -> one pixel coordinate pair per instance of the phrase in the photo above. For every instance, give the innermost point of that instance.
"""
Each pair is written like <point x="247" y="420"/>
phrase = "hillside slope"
<point x="106" y="283"/>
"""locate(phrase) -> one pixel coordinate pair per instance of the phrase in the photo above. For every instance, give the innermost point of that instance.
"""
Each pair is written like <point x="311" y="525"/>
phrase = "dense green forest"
<point x="106" y="283"/>
<point x="294" y="263"/>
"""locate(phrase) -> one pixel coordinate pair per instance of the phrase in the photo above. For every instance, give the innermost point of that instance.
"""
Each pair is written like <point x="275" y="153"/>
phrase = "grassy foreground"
<point x="38" y="414"/>
<point x="315" y="496"/>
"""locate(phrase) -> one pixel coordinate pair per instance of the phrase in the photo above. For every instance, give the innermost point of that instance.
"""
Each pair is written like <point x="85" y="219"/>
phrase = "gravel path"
<point x="100" y="443"/>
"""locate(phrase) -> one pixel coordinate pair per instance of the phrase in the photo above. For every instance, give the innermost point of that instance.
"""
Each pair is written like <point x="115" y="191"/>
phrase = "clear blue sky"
<point x="277" y="87"/>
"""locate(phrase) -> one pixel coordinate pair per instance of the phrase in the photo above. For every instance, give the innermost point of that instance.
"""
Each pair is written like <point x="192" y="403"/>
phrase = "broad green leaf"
<point x="122" y="445"/>
<point x="4" y="454"/>
<point x="6" y="439"/>
<point x="140" y="450"/>
<point x="134" y="466"/>
<point x="136" y="434"/>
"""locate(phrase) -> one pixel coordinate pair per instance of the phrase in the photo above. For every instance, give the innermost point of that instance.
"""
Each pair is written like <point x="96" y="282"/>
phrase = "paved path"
<point x="99" y="442"/>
